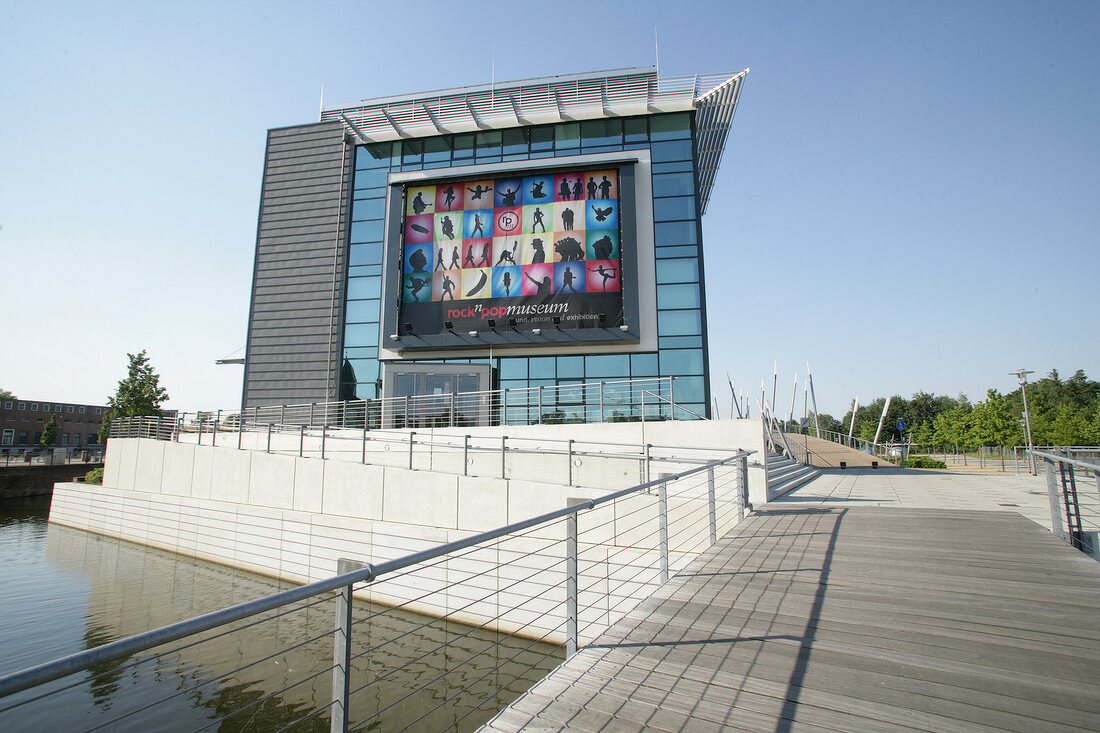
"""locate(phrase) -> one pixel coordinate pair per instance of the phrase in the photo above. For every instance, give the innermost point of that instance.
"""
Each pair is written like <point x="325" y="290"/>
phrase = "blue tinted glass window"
<point x="688" y="250"/>
<point x="514" y="142"/>
<point x="542" y="138"/>
<point x="488" y="143"/>
<point x="463" y="147"/>
<point x="679" y="166"/>
<point x="678" y="271"/>
<point x="513" y="368"/>
<point x="675" y="150"/>
<point x="542" y="367"/>
<point x="674" y="184"/>
<point x="567" y="136"/>
<point x="361" y="311"/>
<point x="368" y="209"/>
<point x="365" y="370"/>
<point x="688" y="389"/>
<point x="364" y="287"/>
<point x="361" y="352"/>
<point x="677" y="207"/>
<point x="680" y="342"/>
<point x="678" y="323"/>
<point x="570" y="366"/>
<point x="366" y="231"/>
<point x="365" y="254"/>
<point x="670" y="127"/>
<point x="596" y="133"/>
<point x="361" y="334"/>
<point x="364" y="270"/>
<point x="412" y="152"/>
<point x="607" y="366"/>
<point x="374" y="155"/>
<point x="678" y="296"/>
<point x="437" y="149"/>
<point x="369" y="193"/>
<point x="676" y="232"/>
<point x="634" y="129"/>
<point x="570" y="392"/>
<point x="682" y="361"/>
<point x="643" y="365"/>
<point x="371" y="178"/>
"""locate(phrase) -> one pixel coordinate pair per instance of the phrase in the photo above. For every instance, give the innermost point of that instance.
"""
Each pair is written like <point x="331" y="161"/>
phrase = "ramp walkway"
<point x="827" y="454"/>
<point x="852" y="609"/>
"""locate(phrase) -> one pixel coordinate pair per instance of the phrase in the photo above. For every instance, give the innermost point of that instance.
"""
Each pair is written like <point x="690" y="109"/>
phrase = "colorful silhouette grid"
<point x="513" y="236"/>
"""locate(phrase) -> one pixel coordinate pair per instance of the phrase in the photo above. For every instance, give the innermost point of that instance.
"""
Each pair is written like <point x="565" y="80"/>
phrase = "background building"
<point x="544" y="232"/>
<point x="21" y="423"/>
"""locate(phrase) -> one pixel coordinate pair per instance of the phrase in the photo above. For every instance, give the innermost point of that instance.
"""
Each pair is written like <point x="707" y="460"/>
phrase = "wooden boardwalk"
<point x="848" y="619"/>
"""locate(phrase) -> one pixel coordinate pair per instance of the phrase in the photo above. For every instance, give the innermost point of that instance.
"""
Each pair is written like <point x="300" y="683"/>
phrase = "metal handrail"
<point x="1074" y="515"/>
<point x="367" y="572"/>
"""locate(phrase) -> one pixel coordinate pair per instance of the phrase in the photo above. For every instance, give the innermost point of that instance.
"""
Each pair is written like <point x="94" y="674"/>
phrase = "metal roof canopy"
<point x="555" y="99"/>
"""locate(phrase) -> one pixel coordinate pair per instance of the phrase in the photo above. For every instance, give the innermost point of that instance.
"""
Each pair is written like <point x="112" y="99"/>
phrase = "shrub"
<point x="923" y="462"/>
<point x="95" y="476"/>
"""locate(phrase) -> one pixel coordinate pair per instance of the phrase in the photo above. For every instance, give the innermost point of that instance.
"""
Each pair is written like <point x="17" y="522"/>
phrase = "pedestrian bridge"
<point x="865" y="600"/>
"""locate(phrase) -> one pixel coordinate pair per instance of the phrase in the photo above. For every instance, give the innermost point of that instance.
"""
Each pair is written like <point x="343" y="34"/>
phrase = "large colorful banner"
<point x="533" y="249"/>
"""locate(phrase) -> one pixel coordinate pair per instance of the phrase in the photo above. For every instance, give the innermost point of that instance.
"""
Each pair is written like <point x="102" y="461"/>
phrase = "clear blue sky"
<point x="909" y="199"/>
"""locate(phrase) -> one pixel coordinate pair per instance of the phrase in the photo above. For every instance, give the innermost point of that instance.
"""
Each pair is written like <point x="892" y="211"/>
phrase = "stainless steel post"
<point x="647" y="466"/>
<point x="571" y="605"/>
<point x="411" y="434"/>
<point x="311" y="404"/>
<point x="570" y="461"/>
<point x="540" y="404"/>
<point x="217" y="421"/>
<point x="465" y="455"/>
<point x="363" y="458"/>
<point x="601" y="402"/>
<point x="643" y="404"/>
<point x="452" y="422"/>
<point x="282" y="414"/>
<point x="301" y="439"/>
<point x="504" y="407"/>
<point x="268" y="438"/>
<point x="503" y="453"/>
<point x="710" y="501"/>
<point x="341" y="651"/>
<point x="324" y="430"/>
<point x="662" y="512"/>
<point x="1054" y="495"/>
<point x="200" y="431"/>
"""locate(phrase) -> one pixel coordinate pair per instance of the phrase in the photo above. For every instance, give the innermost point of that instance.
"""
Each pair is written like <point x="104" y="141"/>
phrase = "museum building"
<point x="533" y="234"/>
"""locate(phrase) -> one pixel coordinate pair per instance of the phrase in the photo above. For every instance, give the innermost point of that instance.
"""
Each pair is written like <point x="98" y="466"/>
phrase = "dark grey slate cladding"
<point x="293" y="332"/>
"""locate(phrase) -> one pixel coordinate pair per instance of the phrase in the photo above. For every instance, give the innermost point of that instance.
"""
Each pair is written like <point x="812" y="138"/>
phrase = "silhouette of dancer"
<point x="418" y="203"/>
<point x="567" y="219"/>
<point x="506" y="256"/>
<point x="478" y="191"/>
<point x="564" y="190"/>
<point x="448" y="228"/>
<point x="439" y="261"/>
<point x="448" y="287"/>
<point x="455" y="264"/>
<point x="544" y="287"/>
<point x="605" y="188"/>
<point x="508" y="196"/>
<point x="537" y="192"/>
<point x="479" y="226"/>
<point x="416" y="284"/>
<point x="567" y="280"/>
<point x="449" y="192"/>
<point x="484" y="261"/>
<point x="607" y="273"/>
<point x="538" y="221"/>
<point x="591" y="188"/>
<point x="507" y="280"/>
<point x="469" y="258"/>
<point x="540" y="254"/>
<point x="578" y="189"/>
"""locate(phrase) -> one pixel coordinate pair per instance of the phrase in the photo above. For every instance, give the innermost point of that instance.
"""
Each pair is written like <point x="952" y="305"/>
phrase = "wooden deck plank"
<point x="855" y="618"/>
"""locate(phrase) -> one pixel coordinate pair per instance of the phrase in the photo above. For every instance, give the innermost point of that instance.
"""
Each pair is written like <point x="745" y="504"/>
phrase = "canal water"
<point x="64" y="590"/>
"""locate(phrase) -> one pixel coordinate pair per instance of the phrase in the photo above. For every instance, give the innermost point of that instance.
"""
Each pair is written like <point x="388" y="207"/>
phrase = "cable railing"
<point x="469" y="625"/>
<point x="1073" y="487"/>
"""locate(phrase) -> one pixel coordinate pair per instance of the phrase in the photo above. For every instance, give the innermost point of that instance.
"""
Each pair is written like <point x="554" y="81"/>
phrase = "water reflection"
<point x="75" y="590"/>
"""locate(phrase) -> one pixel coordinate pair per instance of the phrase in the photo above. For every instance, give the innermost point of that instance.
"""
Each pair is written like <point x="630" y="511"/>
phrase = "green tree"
<point x="6" y="395"/>
<point x="138" y="394"/>
<point x="49" y="432"/>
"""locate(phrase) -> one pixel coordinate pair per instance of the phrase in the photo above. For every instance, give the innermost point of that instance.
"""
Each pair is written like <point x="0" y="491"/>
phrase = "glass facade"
<point x="680" y="313"/>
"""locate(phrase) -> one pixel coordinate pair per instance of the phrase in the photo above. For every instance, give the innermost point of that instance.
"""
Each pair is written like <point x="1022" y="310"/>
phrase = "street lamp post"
<point x="1021" y="379"/>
